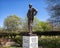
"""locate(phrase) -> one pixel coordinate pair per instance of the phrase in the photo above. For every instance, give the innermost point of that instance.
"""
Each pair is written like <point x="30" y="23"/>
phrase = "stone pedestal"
<point x="30" y="41"/>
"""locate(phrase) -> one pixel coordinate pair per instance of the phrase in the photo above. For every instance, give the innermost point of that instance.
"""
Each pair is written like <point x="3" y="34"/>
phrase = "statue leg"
<point x="30" y="27"/>
<point x="31" y="24"/>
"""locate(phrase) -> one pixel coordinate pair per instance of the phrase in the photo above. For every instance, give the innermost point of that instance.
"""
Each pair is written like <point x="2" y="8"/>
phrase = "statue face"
<point x="30" y="6"/>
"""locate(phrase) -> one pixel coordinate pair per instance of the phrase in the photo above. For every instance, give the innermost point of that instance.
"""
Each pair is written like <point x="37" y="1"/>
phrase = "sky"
<point x="20" y="8"/>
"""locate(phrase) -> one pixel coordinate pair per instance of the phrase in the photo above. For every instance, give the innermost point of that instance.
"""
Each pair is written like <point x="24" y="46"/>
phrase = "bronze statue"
<point x="30" y="15"/>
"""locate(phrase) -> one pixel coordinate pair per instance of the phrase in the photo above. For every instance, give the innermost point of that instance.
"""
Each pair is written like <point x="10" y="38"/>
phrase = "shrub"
<point x="18" y="39"/>
<point x="49" y="42"/>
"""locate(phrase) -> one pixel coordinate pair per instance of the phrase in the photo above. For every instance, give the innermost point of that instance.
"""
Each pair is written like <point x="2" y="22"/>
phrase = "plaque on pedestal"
<point x="30" y="41"/>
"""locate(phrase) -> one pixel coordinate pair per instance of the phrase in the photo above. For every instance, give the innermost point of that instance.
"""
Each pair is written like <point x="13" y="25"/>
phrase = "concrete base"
<point x="30" y="41"/>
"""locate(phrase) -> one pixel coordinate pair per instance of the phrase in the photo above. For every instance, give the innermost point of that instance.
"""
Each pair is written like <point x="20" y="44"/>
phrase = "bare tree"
<point x="54" y="12"/>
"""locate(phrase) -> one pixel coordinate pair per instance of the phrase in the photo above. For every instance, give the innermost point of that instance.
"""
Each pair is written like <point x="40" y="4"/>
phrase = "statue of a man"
<point x="30" y="15"/>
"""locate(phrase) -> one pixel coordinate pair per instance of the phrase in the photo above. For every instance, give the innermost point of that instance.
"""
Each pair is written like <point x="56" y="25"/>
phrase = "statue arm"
<point x="35" y="12"/>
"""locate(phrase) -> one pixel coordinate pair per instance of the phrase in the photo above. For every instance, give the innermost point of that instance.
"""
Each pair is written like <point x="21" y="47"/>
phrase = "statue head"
<point x="30" y="5"/>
